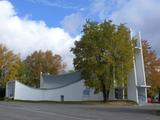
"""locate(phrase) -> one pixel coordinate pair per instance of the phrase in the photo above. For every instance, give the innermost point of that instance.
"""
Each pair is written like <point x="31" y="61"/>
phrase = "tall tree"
<point x="45" y="62"/>
<point x="9" y="64"/>
<point x="152" y="68"/>
<point x="104" y="55"/>
<point x="24" y="73"/>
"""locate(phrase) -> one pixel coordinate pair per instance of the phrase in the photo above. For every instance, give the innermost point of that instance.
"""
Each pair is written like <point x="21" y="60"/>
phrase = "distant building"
<point x="70" y="87"/>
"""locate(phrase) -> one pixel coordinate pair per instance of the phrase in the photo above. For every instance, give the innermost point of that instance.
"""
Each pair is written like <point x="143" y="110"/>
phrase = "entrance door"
<point x="10" y="89"/>
<point x="141" y="96"/>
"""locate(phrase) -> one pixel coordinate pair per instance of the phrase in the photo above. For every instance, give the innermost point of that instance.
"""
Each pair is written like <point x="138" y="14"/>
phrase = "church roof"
<point x="58" y="81"/>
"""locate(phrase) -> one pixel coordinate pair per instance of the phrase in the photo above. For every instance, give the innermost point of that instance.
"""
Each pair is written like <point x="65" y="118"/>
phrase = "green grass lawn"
<point x="109" y="102"/>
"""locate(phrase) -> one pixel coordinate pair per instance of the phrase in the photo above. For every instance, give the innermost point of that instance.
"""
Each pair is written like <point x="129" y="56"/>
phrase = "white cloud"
<point x="25" y="36"/>
<point x="101" y="8"/>
<point x="98" y="7"/>
<point x="73" y="22"/>
<point x="141" y="15"/>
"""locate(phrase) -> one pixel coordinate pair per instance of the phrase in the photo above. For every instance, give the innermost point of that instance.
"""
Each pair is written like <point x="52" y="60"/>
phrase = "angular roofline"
<point x="65" y="77"/>
<point x="46" y="74"/>
<point x="43" y="88"/>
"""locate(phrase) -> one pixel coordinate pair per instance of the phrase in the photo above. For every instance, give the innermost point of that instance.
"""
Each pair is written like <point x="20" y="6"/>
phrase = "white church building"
<point x="70" y="87"/>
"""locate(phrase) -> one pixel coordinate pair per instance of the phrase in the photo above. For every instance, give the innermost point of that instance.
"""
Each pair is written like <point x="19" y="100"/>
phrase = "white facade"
<point x="137" y="88"/>
<point x="73" y="92"/>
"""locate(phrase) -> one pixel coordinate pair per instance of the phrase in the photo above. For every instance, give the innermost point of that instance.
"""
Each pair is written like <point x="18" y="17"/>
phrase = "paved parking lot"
<point x="53" y="111"/>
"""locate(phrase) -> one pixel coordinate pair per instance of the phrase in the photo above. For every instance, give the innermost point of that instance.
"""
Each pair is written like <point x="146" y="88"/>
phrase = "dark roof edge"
<point x="45" y="74"/>
<point x="47" y="88"/>
<point x="61" y="86"/>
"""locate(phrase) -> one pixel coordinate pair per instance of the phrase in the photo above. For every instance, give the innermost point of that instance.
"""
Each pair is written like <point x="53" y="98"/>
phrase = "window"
<point x="86" y="92"/>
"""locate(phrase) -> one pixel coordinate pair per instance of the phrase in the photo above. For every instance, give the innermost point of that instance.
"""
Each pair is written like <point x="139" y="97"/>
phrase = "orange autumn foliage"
<point x="152" y="68"/>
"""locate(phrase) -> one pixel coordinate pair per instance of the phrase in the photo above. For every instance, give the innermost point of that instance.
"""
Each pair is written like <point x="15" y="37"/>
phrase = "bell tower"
<point x="137" y="88"/>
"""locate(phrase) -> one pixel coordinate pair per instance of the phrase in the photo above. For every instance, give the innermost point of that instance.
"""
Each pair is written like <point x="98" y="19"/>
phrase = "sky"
<point x="29" y="25"/>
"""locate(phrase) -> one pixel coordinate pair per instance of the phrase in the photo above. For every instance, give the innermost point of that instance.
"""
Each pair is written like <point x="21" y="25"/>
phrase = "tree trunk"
<point x="159" y="96"/>
<point x="104" y="91"/>
<point x="107" y="97"/>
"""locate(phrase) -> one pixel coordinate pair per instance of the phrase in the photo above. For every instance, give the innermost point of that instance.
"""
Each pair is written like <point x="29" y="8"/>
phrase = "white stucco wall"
<point x="73" y="92"/>
<point x="137" y="89"/>
<point x="132" y="92"/>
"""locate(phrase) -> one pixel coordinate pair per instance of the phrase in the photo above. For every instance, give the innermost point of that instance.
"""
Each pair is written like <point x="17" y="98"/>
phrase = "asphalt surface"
<point x="54" y="111"/>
